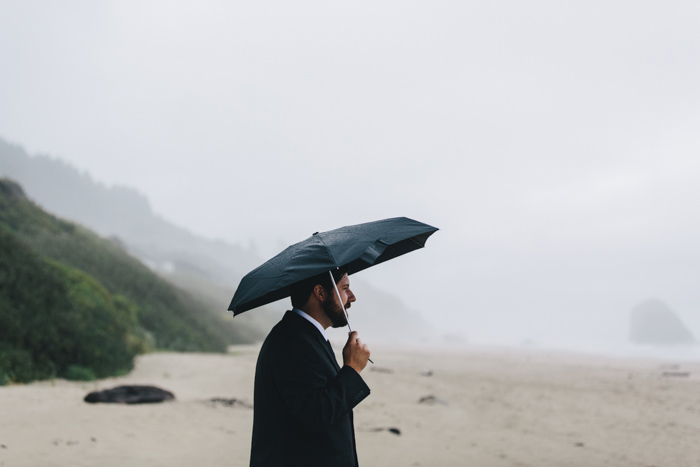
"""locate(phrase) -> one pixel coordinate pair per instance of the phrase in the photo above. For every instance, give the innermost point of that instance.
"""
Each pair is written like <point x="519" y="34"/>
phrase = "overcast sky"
<point x="556" y="144"/>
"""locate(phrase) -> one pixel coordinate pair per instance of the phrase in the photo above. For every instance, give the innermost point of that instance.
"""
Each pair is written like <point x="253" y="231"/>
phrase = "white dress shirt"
<point x="312" y="321"/>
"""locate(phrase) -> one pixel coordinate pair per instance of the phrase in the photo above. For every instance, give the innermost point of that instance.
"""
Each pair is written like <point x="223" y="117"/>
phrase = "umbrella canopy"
<point x="357" y="247"/>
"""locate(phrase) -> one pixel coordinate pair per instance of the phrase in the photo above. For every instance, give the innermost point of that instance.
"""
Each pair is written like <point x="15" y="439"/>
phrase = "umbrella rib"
<point x="416" y="242"/>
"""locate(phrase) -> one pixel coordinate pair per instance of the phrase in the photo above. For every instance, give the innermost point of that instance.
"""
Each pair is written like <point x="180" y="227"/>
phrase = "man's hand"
<point x="355" y="353"/>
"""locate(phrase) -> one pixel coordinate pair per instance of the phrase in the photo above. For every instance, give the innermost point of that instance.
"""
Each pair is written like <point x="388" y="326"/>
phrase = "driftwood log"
<point x="130" y="395"/>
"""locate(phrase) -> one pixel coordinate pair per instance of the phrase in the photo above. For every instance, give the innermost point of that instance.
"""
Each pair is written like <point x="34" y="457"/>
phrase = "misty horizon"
<point x="135" y="199"/>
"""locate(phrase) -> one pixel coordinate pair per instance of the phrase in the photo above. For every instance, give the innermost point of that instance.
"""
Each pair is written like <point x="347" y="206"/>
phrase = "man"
<point x="303" y="399"/>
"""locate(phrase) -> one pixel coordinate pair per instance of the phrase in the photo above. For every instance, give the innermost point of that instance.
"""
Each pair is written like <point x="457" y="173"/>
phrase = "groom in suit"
<point x="303" y="398"/>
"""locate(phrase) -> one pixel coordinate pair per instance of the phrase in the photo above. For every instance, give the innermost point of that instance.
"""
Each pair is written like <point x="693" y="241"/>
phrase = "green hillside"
<point x="72" y="303"/>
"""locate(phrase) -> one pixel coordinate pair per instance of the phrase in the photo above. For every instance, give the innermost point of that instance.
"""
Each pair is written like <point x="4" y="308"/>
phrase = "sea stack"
<point x="653" y="322"/>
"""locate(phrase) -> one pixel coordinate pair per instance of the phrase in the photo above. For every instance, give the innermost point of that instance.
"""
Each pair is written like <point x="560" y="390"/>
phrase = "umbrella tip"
<point x="315" y="233"/>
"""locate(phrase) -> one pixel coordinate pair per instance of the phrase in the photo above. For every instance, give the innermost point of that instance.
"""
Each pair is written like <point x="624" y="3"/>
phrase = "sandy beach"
<point x="481" y="407"/>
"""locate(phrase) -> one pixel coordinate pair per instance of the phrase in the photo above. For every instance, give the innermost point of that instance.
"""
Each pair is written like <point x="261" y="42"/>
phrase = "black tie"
<point x="332" y="354"/>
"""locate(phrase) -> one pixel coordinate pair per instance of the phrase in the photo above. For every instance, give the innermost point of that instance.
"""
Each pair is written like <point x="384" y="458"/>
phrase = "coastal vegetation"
<point x="78" y="306"/>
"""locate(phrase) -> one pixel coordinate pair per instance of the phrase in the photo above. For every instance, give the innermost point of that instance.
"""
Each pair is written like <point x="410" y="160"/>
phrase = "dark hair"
<point x="303" y="289"/>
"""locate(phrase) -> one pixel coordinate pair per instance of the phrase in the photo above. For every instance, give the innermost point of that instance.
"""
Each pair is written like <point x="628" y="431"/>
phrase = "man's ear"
<point x="320" y="292"/>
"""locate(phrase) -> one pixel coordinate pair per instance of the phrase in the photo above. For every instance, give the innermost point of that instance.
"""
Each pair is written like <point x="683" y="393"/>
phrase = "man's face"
<point x="332" y="307"/>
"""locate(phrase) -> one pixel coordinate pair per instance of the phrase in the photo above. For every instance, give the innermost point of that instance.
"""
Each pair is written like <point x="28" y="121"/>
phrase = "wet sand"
<point x="481" y="406"/>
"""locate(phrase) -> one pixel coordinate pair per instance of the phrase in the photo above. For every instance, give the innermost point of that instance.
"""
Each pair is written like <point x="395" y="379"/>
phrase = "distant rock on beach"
<point x="130" y="395"/>
<point x="653" y="322"/>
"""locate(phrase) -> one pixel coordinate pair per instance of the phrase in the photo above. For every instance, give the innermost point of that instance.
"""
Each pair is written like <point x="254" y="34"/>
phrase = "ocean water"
<point x="685" y="352"/>
<point x="681" y="352"/>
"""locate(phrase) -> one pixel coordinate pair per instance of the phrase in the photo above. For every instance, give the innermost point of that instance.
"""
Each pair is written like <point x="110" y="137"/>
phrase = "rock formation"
<point x="653" y="322"/>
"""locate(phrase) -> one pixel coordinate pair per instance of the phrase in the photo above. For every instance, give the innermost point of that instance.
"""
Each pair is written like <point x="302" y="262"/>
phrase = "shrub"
<point x="16" y="366"/>
<point x="53" y="317"/>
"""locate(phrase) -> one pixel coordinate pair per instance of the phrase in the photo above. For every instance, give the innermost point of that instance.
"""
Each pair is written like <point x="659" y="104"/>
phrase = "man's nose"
<point x="351" y="296"/>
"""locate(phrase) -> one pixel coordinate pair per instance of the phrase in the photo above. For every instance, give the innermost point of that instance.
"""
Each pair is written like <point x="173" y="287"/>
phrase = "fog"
<point x="555" y="144"/>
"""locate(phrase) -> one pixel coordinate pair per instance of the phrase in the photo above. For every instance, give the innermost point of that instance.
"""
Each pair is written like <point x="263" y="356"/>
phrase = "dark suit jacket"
<point x="303" y="400"/>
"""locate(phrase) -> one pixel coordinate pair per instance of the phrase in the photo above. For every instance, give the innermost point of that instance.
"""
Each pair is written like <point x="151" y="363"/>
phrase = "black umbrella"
<point x="357" y="247"/>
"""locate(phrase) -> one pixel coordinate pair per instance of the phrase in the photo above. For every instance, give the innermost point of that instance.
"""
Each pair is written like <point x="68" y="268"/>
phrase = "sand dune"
<point x="481" y="407"/>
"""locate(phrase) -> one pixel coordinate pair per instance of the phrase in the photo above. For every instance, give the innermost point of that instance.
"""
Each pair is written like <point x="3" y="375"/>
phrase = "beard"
<point x="335" y="312"/>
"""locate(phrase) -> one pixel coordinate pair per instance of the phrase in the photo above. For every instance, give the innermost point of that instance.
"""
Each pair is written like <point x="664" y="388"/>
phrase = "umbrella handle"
<point x="340" y="300"/>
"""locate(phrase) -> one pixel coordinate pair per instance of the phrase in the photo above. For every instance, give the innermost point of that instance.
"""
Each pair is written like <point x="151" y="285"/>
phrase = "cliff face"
<point x="653" y="322"/>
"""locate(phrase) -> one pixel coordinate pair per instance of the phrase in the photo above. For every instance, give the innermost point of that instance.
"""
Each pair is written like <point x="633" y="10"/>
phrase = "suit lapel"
<point x="312" y="331"/>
